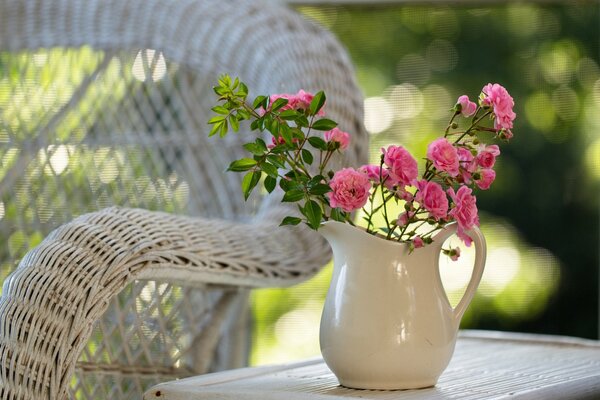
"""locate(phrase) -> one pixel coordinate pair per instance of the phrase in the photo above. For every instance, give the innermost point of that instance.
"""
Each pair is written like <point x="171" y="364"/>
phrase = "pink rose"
<point x="337" y="135"/>
<point x="373" y="173"/>
<point x="497" y="97"/>
<point x="431" y="196"/>
<point x="418" y="242"/>
<point x="464" y="212"/>
<point x="444" y="156"/>
<point x="289" y="97"/>
<point x="298" y="101"/>
<point x="467" y="107"/>
<point x="401" y="164"/>
<point x="350" y="189"/>
<point x="487" y="156"/>
<point x="486" y="178"/>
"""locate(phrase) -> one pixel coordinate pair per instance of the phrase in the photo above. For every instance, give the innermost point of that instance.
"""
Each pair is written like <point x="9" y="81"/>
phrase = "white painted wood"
<point x="486" y="366"/>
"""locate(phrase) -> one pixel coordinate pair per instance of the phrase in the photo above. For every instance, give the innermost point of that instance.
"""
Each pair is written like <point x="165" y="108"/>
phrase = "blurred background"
<point x="541" y="218"/>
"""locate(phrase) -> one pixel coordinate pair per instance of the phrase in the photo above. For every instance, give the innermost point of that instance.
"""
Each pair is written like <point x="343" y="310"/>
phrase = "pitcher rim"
<point x="378" y="236"/>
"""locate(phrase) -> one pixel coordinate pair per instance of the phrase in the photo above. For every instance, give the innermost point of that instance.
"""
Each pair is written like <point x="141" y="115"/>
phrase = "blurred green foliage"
<point x="541" y="216"/>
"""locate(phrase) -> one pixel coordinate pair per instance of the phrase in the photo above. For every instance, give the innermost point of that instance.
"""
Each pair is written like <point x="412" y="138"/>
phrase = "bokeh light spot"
<point x="437" y="101"/>
<point x="441" y="55"/>
<point x="523" y="19"/>
<point x="540" y="111"/>
<point x="379" y="114"/>
<point x="592" y="159"/>
<point x="407" y="100"/>
<point x="566" y="103"/>
<point x="414" y="69"/>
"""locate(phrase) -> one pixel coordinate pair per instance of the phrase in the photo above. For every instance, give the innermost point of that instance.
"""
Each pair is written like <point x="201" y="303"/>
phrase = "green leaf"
<point x="243" y="91"/>
<point x="270" y="170"/>
<point x="254" y="149"/>
<point x="216" y="118"/>
<point x="288" y="115"/>
<point x="261" y="143"/>
<point x="243" y="114"/>
<point x="220" y="110"/>
<point x="302" y="121"/>
<point x="259" y="102"/>
<point x="286" y="132"/>
<point x="221" y="91"/>
<point x="249" y="182"/>
<point x="276" y="161"/>
<point x="241" y="165"/>
<point x="225" y="80"/>
<point x="270" y="184"/>
<point x="307" y="156"/>
<point x="277" y="104"/>
<point x="317" y="143"/>
<point x="317" y="103"/>
<point x="215" y="128"/>
<point x="224" y="128"/>
<point x="319" y="189"/>
<point x="324" y="124"/>
<point x="313" y="213"/>
<point x="290" y="221"/>
<point x="338" y="215"/>
<point x="235" y="125"/>
<point x="292" y="196"/>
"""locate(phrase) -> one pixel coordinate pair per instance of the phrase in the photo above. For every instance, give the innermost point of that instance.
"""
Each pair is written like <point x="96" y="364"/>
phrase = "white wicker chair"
<point x="104" y="104"/>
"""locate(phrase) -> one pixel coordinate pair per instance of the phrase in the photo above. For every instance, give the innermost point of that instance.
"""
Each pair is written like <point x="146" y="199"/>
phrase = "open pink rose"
<point x="350" y="189"/>
<point x="467" y="107"/>
<point x="464" y="212"/>
<point x="444" y="156"/>
<point x="467" y="164"/>
<point x="401" y="164"/>
<point x="497" y="97"/>
<point x="486" y="158"/>
<point x="431" y="196"/>
<point x="486" y="178"/>
<point x="338" y="135"/>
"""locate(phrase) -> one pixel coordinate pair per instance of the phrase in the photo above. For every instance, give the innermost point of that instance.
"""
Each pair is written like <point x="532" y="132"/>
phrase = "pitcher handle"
<point x="480" y="255"/>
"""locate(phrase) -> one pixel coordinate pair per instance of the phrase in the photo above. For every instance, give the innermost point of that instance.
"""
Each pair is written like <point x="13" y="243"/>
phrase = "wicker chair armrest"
<point x="50" y="303"/>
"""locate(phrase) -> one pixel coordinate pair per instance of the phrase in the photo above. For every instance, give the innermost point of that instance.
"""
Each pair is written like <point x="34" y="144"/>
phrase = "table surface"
<point x="486" y="365"/>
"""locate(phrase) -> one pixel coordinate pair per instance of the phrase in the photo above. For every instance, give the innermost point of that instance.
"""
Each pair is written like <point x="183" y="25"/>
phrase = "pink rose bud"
<point x="467" y="107"/>
<point x="402" y="219"/>
<point x="337" y="135"/>
<point x="349" y="190"/>
<point x="455" y="253"/>
<point x="418" y="242"/>
<point x="444" y="156"/>
<point x="373" y="173"/>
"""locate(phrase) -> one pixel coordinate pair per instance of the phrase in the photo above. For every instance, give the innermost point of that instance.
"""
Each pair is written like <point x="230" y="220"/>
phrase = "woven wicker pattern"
<point x="103" y="104"/>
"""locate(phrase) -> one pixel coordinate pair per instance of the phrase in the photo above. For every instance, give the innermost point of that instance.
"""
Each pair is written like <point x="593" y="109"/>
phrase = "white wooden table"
<point x="486" y="365"/>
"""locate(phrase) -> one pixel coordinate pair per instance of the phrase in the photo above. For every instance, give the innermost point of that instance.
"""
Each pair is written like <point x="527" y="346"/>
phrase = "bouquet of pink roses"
<point x="456" y="163"/>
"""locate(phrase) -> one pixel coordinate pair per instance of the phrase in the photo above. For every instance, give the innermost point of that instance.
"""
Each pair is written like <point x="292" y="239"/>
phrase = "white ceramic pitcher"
<point x="387" y="322"/>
